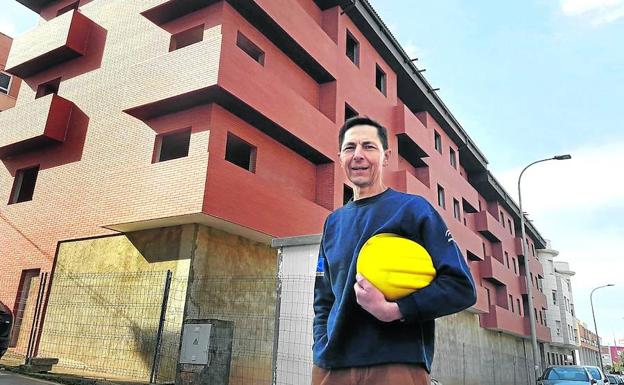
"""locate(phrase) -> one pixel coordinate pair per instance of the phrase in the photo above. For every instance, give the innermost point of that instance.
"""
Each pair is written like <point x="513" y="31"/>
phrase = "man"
<point x="359" y="336"/>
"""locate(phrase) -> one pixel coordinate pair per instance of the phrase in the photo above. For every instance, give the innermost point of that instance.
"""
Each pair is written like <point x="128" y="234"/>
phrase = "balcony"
<point x="542" y="332"/>
<point x="488" y="226"/>
<point x="405" y="181"/>
<point x="495" y="271"/>
<point x="59" y="40"/>
<point x="481" y="306"/>
<point x="539" y="298"/>
<point x="209" y="72"/>
<point x="503" y="320"/>
<point x="36" y="5"/>
<point x="30" y="126"/>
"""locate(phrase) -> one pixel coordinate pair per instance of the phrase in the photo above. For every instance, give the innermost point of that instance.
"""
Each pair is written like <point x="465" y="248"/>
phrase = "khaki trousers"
<point x="391" y="374"/>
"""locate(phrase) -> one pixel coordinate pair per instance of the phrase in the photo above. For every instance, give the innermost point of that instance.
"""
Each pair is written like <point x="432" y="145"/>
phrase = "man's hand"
<point x="373" y="301"/>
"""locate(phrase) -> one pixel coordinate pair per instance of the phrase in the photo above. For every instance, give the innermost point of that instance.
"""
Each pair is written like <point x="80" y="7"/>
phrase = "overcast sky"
<point x="527" y="80"/>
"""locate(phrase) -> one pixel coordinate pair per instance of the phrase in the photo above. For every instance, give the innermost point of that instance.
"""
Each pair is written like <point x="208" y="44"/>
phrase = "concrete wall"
<point x="233" y="279"/>
<point x="105" y="301"/>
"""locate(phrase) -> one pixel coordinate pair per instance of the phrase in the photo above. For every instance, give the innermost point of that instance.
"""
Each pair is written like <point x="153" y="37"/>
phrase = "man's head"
<point x="363" y="121"/>
<point x="363" y="154"/>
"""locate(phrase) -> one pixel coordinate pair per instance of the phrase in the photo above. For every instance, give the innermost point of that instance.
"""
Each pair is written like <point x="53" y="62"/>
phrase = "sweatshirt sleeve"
<point x="453" y="288"/>
<point x="323" y="296"/>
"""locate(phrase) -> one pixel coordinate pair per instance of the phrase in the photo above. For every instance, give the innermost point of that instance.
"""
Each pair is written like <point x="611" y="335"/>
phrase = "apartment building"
<point x="184" y="135"/>
<point x="588" y="350"/>
<point x="560" y="314"/>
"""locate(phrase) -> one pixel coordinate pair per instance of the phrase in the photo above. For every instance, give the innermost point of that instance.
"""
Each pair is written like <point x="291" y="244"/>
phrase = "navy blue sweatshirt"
<point x="345" y="335"/>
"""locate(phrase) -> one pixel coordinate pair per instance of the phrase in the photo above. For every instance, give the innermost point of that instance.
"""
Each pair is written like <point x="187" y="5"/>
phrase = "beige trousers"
<point x="391" y="374"/>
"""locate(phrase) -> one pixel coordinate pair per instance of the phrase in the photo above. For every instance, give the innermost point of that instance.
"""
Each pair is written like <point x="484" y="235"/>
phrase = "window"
<point x="487" y="292"/>
<point x="240" y="153"/>
<point x="502" y="218"/>
<point x="456" y="210"/>
<point x="515" y="265"/>
<point x="453" y="158"/>
<point x="172" y="145"/>
<point x="380" y="79"/>
<point x="68" y="8"/>
<point x="5" y="82"/>
<point x="24" y="185"/>
<point x="519" y="307"/>
<point x="353" y="49"/>
<point x="510" y="226"/>
<point x="441" y="202"/>
<point x="507" y="259"/>
<point x="483" y="245"/>
<point x="554" y="297"/>
<point x="541" y="318"/>
<point x="347" y="194"/>
<point x="186" y="38"/>
<point x="437" y="143"/>
<point x="511" y="304"/>
<point x="250" y="48"/>
<point x="533" y="249"/>
<point x="349" y="112"/>
<point x="47" y="88"/>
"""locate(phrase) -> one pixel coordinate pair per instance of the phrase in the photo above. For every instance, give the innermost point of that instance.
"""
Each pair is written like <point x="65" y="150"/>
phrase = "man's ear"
<point x="387" y="154"/>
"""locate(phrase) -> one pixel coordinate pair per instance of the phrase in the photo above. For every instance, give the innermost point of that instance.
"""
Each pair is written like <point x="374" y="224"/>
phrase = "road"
<point x="8" y="378"/>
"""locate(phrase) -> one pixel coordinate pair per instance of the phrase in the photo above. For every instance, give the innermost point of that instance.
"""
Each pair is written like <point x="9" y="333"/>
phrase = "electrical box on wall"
<point x="195" y="342"/>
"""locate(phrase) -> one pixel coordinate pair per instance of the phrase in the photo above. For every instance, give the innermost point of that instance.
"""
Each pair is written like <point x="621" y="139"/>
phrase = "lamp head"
<point x="562" y="157"/>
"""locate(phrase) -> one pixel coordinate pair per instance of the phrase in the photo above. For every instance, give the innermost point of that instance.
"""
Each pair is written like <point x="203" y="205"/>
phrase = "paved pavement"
<point x="9" y="378"/>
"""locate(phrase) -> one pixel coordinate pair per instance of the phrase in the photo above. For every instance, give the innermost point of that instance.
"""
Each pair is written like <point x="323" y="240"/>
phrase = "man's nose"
<point x="358" y="153"/>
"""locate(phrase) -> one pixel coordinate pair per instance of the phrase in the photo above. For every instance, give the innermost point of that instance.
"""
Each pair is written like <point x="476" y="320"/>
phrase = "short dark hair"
<point x="382" y="132"/>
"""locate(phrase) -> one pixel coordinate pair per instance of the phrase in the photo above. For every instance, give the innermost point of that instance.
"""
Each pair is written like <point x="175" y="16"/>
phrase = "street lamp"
<point x="591" y="301"/>
<point x="527" y="269"/>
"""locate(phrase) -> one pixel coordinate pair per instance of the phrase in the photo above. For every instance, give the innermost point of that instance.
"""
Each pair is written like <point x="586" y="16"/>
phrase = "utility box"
<point x="195" y="341"/>
<point x="205" y="352"/>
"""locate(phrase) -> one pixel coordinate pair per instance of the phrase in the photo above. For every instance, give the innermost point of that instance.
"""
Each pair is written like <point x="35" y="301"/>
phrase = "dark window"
<point x="347" y="194"/>
<point x="507" y="259"/>
<point x="453" y="158"/>
<point x="437" y="142"/>
<point x="380" y="79"/>
<point x="24" y="185"/>
<point x="5" y="82"/>
<point x="456" y="209"/>
<point x="519" y="307"/>
<point x="487" y="292"/>
<point x="502" y="218"/>
<point x="250" y="48"/>
<point x="515" y="263"/>
<point x="441" y="202"/>
<point x="68" y="8"/>
<point x="484" y="253"/>
<point x="511" y="304"/>
<point x="187" y="37"/>
<point x="48" y="88"/>
<point x="349" y="112"/>
<point x="510" y="226"/>
<point x="240" y="153"/>
<point x="172" y="145"/>
<point x="353" y="49"/>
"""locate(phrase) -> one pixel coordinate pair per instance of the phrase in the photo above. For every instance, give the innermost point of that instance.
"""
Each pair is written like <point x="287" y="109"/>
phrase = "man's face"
<point x="362" y="156"/>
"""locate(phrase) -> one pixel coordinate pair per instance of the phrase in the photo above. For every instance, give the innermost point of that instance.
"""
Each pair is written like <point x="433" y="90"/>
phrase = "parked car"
<point x="566" y="375"/>
<point x="6" y="322"/>
<point x="614" y="379"/>
<point x="597" y="374"/>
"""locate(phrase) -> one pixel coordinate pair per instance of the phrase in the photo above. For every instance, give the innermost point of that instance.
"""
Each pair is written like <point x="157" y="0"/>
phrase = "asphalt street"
<point x="8" y="378"/>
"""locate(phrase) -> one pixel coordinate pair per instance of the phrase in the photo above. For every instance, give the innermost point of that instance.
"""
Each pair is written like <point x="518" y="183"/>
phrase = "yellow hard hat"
<point x="395" y="265"/>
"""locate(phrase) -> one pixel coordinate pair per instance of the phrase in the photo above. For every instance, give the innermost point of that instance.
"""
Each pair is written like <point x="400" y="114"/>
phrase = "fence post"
<point x="278" y="302"/>
<point x="161" y="324"/>
<point x="35" y="322"/>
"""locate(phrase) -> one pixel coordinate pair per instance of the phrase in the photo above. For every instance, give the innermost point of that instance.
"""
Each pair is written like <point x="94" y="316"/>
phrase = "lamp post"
<point x="591" y="301"/>
<point x="527" y="269"/>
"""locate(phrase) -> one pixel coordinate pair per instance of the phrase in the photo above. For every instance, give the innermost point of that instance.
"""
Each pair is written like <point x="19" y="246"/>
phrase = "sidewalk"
<point x="70" y="379"/>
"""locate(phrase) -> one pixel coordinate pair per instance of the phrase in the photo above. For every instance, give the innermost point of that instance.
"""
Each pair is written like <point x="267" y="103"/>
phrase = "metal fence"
<point x="128" y="325"/>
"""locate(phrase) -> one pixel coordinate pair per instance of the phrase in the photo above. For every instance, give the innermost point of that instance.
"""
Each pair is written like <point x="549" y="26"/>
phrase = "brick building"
<point x="186" y="134"/>
<point x="588" y="351"/>
<point x="9" y="84"/>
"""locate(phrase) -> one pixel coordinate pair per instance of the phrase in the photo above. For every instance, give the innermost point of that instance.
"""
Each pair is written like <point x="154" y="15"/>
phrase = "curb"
<point x="65" y="379"/>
